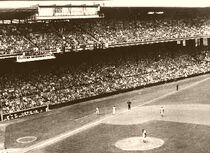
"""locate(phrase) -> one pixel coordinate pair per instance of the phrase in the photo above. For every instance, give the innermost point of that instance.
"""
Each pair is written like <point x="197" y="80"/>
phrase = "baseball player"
<point x="162" y="111"/>
<point x="113" y="110"/>
<point x="97" y="111"/>
<point x="129" y="105"/>
<point x="177" y="87"/>
<point x="47" y="108"/>
<point x="144" y="135"/>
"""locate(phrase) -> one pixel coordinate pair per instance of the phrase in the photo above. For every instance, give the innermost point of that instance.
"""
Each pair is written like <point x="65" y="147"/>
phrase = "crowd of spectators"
<point x="69" y="82"/>
<point x="12" y="41"/>
<point x="60" y="84"/>
<point x="128" y="30"/>
<point x="42" y="38"/>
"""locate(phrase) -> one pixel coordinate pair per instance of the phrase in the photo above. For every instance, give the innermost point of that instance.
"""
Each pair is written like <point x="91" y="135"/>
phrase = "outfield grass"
<point x="199" y="94"/>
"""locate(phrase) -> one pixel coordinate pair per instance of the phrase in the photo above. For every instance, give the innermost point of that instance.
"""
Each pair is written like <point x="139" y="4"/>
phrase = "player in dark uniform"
<point x="129" y="105"/>
<point x="177" y="87"/>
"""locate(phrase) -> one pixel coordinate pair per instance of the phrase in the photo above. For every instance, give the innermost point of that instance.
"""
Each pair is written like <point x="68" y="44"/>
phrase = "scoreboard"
<point x="67" y="12"/>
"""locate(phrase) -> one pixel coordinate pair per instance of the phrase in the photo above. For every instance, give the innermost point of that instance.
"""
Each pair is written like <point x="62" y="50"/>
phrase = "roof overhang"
<point x="17" y="13"/>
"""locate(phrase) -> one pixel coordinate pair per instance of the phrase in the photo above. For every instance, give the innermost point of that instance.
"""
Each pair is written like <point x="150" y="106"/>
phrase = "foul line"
<point x="92" y="124"/>
<point x="173" y="92"/>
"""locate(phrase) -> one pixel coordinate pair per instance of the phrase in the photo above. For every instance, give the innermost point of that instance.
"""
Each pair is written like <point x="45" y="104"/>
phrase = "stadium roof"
<point x="17" y="13"/>
<point x="22" y="9"/>
<point x="109" y="3"/>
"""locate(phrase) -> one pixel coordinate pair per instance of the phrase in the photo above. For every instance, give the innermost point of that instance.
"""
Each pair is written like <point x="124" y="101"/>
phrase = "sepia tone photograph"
<point x="105" y="76"/>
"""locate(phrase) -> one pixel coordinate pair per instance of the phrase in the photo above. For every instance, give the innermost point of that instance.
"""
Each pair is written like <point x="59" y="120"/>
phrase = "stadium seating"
<point x="62" y="84"/>
<point x="41" y="38"/>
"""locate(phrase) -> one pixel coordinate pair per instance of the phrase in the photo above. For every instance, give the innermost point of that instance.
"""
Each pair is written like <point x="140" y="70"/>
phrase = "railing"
<point x="5" y="56"/>
<point x="135" y="43"/>
<point x="23" y="58"/>
<point x="155" y="41"/>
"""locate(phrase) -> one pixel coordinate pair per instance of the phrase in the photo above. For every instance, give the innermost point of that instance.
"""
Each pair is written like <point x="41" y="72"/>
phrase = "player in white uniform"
<point x="47" y="108"/>
<point x="97" y="111"/>
<point x="162" y="111"/>
<point x="113" y="110"/>
<point x="144" y="135"/>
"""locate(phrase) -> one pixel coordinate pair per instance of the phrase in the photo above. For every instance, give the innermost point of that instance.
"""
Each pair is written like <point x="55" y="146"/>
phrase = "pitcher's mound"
<point x="136" y="143"/>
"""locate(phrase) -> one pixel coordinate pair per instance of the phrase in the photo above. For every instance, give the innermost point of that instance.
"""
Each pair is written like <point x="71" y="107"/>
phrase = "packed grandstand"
<point x="100" y="72"/>
<point x="42" y="38"/>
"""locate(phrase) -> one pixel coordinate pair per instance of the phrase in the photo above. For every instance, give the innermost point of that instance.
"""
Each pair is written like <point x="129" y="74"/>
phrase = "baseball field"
<point x="184" y="128"/>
